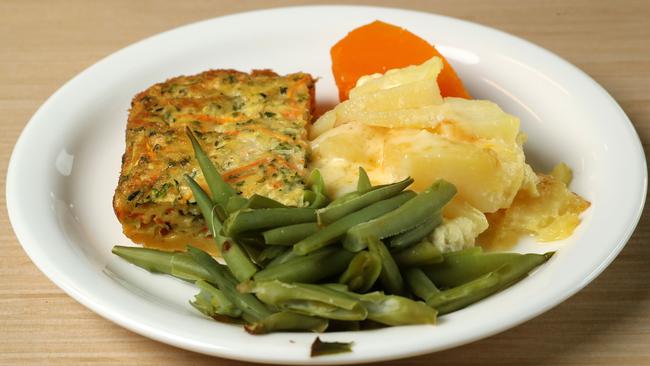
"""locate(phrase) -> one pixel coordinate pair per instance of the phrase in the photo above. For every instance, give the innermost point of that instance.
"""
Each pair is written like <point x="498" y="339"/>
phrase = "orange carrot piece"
<point x="378" y="47"/>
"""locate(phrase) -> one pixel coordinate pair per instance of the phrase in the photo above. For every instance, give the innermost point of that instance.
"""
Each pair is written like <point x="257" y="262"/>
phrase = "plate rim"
<point x="49" y="269"/>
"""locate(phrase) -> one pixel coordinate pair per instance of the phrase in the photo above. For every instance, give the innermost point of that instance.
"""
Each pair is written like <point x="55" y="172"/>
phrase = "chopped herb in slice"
<point x="283" y="90"/>
<point x="162" y="191"/>
<point x="269" y="114"/>
<point x="132" y="196"/>
<point x="320" y="348"/>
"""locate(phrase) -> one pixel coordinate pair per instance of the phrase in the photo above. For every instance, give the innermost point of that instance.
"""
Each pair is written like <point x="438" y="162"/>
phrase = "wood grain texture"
<point x="43" y="44"/>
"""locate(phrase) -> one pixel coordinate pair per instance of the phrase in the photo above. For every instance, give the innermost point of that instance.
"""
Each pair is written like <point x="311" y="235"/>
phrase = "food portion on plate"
<point x="252" y="126"/>
<point x="374" y="222"/>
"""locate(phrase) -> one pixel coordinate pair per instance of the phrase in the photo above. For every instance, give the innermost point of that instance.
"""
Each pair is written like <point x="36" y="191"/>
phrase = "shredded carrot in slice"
<point x="270" y="132"/>
<point x="209" y="118"/>
<point x="236" y="172"/>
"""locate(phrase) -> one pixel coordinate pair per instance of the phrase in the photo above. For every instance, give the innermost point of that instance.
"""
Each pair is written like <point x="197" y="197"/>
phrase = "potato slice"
<point x="428" y="70"/>
<point x="339" y="152"/>
<point x="487" y="175"/>
<point x="469" y="118"/>
<point x="323" y="124"/>
<point x="423" y="117"/>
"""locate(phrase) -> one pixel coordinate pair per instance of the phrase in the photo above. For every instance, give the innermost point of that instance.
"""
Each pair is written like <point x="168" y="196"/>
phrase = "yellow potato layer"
<point x="553" y="215"/>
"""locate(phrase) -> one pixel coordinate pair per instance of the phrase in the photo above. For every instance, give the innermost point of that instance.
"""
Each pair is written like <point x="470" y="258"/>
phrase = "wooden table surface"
<point x="45" y="43"/>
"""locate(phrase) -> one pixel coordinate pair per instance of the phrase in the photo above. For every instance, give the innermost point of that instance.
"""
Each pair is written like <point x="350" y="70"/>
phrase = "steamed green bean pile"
<point x="362" y="260"/>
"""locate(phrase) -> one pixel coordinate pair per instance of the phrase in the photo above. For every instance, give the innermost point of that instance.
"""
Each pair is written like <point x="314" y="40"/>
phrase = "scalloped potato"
<point x="396" y="125"/>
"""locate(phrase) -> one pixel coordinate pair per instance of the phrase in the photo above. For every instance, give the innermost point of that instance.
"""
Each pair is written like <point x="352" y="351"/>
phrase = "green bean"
<point x="266" y="218"/>
<point x="176" y="264"/>
<point x="206" y="206"/>
<point x="282" y="258"/>
<point x="308" y="197"/>
<point x="183" y="266"/>
<point x="363" y="184"/>
<point x="415" y="235"/>
<point x="285" y="320"/>
<point x="271" y="252"/>
<point x="232" y="253"/>
<point x="322" y="348"/>
<point x="236" y="258"/>
<point x="466" y="294"/>
<point x="344" y="198"/>
<point x="425" y="252"/>
<point x="460" y="268"/>
<point x="396" y="310"/>
<point x="413" y="213"/>
<point x="211" y="301"/>
<point x="420" y="285"/>
<point x="336" y="230"/>
<point x="336" y="286"/>
<point x="289" y="235"/>
<point x="390" y="277"/>
<point x="153" y="260"/>
<point x="309" y="268"/>
<point x="227" y="283"/>
<point x="362" y="272"/>
<point x="332" y="213"/>
<point x="251" y="249"/>
<point x="256" y="201"/>
<point x="307" y="299"/>
<point x="220" y="190"/>
<point x="235" y="203"/>
<point x="317" y="186"/>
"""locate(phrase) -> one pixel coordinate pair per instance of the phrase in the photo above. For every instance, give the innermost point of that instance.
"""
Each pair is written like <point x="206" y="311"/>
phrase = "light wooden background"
<point x="43" y="44"/>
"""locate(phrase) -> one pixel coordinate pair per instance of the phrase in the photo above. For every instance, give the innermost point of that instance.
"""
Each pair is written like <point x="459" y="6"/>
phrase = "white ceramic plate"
<point x="65" y="166"/>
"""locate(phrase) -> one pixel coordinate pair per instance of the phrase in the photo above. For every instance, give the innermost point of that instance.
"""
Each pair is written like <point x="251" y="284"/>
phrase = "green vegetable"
<point x="306" y="299"/>
<point x="336" y="230"/>
<point x="320" y="348"/>
<point x="332" y="213"/>
<point x="390" y="277"/>
<point x="227" y="283"/>
<point x="425" y="252"/>
<point x="363" y="184"/>
<point x="466" y="265"/>
<point x="415" y="235"/>
<point x="266" y="218"/>
<point x="238" y="261"/>
<point x="282" y="258"/>
<point x="212" y="302"/>
<point x="271" y="252"/>
<point x="172" y="263"/>
<point x="220" y="190"/>
<point x="396" y="310"/>
<point x="466" y="294"/>
<point x="206" y="206"/>
<point x="235" y="203"/>
<point x="362" y="272"/>
<point x="285" y="320"/>
<point x="183" y="266"/>
<point x="317" y="186"/>
<point x="420" y="285"/>
<point x="344" y="198"/>
<point x="411" y="214"/>
<point x="289" y="235"/>
<point x="288" y="293"/>
<point x="256" y="201"/>
<point x="310" y="268"/>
